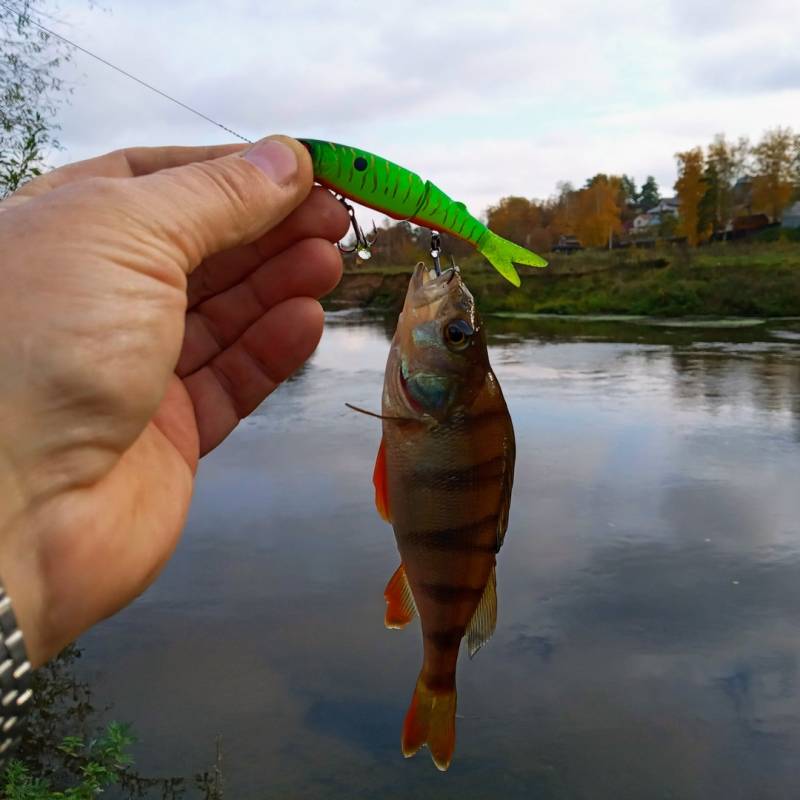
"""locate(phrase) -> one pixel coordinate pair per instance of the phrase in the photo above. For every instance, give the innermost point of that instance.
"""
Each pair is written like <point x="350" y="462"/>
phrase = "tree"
<point x="514" y="218"/>
<point x="711" y="216"/>
<point x="628" y="188"/>
<point x="598" y="211"/>
<point x="649" y="196"/>
<point x="30" y="92"/>
<point x="777" y="161"/>
<point x="726" y="162"/>
<point x="690" y="187"/>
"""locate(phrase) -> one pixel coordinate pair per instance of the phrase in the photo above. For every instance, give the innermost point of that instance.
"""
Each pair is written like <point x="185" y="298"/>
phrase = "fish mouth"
<point x="427" y="287"/>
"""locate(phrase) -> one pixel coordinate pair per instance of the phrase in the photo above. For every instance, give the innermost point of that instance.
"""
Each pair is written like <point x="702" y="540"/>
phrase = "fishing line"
<point x="152" y="88"/>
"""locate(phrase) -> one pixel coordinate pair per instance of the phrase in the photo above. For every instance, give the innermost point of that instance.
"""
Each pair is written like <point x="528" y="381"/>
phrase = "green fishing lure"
<point x="401" y="194"/>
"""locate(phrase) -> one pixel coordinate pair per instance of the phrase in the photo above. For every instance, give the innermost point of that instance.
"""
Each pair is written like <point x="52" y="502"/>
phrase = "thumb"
<point x="199" y="209"/>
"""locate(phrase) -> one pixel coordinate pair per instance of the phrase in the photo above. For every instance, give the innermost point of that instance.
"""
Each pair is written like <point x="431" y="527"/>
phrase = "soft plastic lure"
<point x="401" y="194"/>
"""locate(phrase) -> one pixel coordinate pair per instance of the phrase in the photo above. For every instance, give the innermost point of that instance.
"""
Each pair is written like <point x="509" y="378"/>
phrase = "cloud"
<point x="486" y="100"/>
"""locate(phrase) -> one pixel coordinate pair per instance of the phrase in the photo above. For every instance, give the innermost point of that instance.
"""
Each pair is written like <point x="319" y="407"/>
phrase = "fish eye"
<point x="360" y="163"/>
<point x="458" y="334"/>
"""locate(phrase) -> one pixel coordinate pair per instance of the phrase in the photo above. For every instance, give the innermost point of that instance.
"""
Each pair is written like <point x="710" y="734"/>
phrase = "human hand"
<point x="151" y="298"/>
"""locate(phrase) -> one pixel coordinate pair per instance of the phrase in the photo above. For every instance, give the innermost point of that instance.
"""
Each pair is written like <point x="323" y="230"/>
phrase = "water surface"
<point x="649" y="586"/>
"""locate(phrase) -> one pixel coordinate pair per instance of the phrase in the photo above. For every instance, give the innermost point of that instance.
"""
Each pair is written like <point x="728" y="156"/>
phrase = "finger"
<point x="319" y="216"/>
<point x="234" y="383"/>
<point x="310" y="268"/>
<point x="130" y="162"/>
<point x="165" y="224"/>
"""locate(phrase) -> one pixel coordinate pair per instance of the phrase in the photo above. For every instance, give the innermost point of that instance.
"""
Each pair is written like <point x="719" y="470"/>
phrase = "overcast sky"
<point x="484" y="98"/>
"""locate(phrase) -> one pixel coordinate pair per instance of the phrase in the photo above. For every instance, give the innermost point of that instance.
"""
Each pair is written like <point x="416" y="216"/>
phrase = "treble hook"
<point x="363" y="245"/>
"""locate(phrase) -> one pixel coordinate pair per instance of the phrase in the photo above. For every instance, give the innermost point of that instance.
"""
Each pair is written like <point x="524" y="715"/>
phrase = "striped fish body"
<point x="443" y="478"/>
<point x="401" y="194"/>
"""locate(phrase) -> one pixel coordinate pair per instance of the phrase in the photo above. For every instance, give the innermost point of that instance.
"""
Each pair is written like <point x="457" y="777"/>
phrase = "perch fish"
<point x="443" y="478"/>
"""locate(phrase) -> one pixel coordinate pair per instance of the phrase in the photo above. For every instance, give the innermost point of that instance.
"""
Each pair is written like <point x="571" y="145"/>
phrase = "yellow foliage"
<point x="598" y="212"/>
<point x="777" y="158"/>
<point x="690" y="188"/>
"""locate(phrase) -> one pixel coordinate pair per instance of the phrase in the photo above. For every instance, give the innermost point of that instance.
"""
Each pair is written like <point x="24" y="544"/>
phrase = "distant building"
<point x="791" y="216"/>
<point x="750" y="223"/>
<point x="567" y="244"/>
<point x="653" y="217"/>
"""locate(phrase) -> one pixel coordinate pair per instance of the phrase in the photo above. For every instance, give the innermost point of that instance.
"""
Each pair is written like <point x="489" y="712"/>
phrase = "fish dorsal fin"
<point x="400" y="606"/>
<point x="381" y="484"/>
<point x="483" y="622"/>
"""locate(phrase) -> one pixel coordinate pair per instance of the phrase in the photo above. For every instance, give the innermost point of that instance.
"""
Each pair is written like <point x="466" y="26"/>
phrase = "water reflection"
<point x="649" y="587"/>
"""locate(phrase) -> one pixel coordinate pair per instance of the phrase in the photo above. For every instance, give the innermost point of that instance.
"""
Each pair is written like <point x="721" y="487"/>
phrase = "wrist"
<point x="15" y="667"/>
<point x="17" y="555"/>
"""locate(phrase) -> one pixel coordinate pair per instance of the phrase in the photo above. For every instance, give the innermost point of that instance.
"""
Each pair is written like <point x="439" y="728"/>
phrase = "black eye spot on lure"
<point x="360" y="163"/>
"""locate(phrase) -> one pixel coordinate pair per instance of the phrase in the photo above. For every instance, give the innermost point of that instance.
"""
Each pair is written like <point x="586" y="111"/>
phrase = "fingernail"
<point x="275" y="159"/>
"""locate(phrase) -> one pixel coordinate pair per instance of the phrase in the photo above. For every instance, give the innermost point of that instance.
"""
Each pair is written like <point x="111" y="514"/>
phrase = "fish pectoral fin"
<point x="400" y="606"/>
<point x="484" y="620"/>
<point x="381" y="484"/>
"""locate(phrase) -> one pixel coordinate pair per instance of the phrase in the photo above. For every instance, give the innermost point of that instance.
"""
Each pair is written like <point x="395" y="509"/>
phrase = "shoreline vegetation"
<point x="727" y="243"/>
<point x="720" y="280"/>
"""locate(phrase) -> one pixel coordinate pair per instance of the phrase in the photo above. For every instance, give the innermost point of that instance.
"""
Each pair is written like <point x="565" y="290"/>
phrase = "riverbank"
<point x="760" y="280"/>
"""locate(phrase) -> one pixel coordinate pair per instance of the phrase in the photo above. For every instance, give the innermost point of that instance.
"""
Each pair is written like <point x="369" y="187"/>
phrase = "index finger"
<point x="129" y="162"/>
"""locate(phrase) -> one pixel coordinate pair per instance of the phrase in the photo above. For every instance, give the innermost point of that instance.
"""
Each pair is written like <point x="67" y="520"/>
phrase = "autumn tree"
<point x="513" y="218"/>
<point x="598" y="211"/>
<point x="690" y="188"/>
<point x="777" y="163"/>
<point x="725" y="163"/>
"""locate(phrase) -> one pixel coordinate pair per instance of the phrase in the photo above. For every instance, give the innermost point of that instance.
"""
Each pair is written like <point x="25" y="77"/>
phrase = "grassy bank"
<point x="721" y="280"/>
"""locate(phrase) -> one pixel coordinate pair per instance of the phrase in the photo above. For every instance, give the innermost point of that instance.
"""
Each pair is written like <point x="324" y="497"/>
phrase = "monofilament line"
<point x="152" y="88"/>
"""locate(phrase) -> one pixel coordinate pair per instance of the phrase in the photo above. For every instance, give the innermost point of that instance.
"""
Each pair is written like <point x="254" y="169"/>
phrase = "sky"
<point x="486" y="99"/>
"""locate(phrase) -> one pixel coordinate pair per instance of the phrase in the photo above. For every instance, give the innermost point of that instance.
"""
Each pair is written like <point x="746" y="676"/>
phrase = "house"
<point x="567" y="244"/>
<point x="791" y="216"/>
<point x="750" y="223"/>
<point x="652" y="218"/>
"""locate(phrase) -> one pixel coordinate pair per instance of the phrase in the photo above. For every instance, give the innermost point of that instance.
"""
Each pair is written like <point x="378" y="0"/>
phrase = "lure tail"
<point x="431" y="720"/>
<point x="502" y="255"/>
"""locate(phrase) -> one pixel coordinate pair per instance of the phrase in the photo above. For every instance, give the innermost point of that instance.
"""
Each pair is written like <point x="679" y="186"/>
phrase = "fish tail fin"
<point x="502" y="255"/>
<point x="431" y="720"/>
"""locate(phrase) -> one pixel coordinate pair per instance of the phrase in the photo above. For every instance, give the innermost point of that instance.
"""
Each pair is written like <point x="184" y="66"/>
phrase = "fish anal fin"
<point x="400" y="606"/>
<point x="381" y="483"/>
<point x="431" y="720"/>
<point x="484" y="620"/>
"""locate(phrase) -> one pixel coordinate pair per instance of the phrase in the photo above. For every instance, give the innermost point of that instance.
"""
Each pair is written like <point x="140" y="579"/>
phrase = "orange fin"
<point x="381" y="484"/>
<point x="431" y="720"/>
<point x="400" y="607"/>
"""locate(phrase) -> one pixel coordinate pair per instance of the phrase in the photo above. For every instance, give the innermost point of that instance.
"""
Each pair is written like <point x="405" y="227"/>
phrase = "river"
<point x="648" y="640"/>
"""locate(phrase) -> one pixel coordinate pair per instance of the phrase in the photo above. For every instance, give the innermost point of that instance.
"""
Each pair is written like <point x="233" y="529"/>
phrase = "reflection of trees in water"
<point x="769" y="381"/>
<point x="62" y="707"/>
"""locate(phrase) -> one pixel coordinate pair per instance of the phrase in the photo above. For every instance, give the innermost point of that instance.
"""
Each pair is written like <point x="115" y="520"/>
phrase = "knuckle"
<point x="240" y="191"/>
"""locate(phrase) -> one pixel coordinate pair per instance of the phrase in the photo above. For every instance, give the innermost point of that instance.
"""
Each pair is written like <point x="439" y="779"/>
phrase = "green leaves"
<point x="30" y="93"/>
<point x="100" y="761"/>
